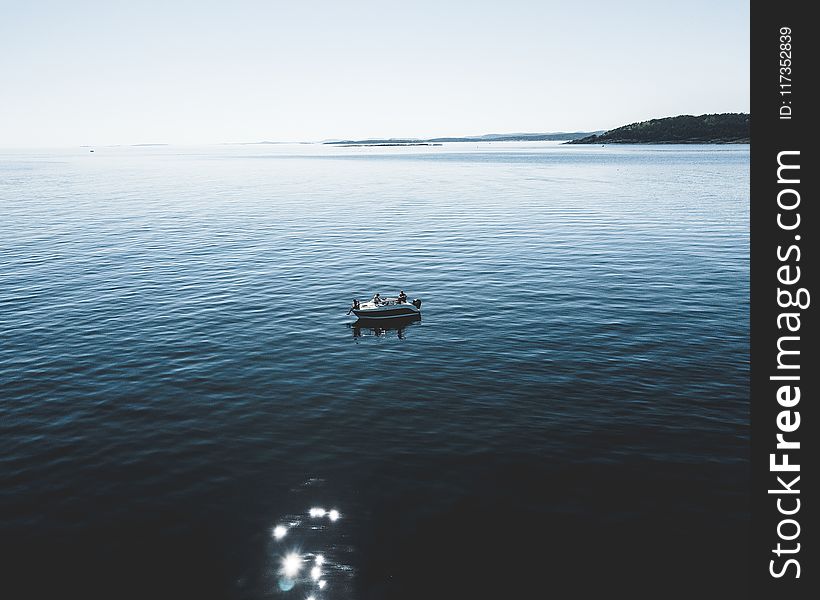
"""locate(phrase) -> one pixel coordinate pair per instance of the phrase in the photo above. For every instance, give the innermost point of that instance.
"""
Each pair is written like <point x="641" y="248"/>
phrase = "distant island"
<point x="490" y="137"/>
<point x="380" y="144"/>
<point x="726" y="128"/>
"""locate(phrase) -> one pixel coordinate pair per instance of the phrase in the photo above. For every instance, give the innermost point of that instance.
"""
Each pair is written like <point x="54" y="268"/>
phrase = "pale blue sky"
<point x="189" y="72"/>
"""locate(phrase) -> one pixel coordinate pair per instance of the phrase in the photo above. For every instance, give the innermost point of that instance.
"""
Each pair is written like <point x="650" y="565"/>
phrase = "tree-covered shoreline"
<point x="726" y="128"/>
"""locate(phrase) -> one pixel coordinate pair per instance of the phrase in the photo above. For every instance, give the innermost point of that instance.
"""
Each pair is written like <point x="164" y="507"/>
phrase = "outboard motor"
<point x="417" y="303"/>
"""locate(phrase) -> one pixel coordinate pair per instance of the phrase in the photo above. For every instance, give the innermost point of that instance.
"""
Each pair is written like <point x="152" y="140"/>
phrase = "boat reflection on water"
<point x="383" y="327"/>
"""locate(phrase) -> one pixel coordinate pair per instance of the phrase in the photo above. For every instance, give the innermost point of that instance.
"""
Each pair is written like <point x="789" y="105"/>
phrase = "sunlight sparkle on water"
<point x="322" y="584"/>
<point x="279" y="532"/>
<point x="320" y="559"/>
<point x="317" y="512"/>
<point x="333" y="514"/>
<point x="291" y="564"/>
<point x="315" y="573"/>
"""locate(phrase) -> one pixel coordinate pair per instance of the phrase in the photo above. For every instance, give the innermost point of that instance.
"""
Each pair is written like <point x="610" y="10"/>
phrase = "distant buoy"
<point x="91" y="151"/>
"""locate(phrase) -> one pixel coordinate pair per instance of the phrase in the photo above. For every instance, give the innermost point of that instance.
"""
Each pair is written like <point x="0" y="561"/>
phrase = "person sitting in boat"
<point x="402" y="297"/>
<point x="377" y="299"/>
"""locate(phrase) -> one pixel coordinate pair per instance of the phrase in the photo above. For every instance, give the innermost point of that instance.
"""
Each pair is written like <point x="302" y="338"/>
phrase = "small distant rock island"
<point x="726" y="128"/>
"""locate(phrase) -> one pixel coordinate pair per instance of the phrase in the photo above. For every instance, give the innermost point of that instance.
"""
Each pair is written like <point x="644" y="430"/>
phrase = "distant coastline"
<point x="490" y="137"/>
<point x="721" y="128"/>
<point x="381" y="144"/>
<point x="725" y="128"/>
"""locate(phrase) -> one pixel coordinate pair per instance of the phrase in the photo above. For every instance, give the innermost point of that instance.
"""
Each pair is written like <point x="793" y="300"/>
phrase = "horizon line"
<point x="470" y="137"/>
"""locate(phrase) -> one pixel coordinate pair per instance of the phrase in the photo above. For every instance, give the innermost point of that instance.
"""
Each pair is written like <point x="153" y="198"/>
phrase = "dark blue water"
<point x="179" y="377"/>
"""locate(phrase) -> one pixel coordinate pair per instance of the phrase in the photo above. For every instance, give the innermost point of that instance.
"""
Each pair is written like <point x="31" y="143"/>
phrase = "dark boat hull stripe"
<point x="385" y="314"/>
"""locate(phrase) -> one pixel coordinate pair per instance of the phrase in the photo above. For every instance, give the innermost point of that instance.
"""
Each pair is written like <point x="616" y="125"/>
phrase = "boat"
<point x="386" y="308"/>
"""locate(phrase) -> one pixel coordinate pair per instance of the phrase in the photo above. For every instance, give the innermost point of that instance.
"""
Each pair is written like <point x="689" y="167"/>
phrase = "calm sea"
<point x="184" y="401"/>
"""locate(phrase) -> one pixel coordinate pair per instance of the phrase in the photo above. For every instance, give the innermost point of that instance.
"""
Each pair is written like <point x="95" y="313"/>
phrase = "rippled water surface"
<point x="179" y="377"/>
